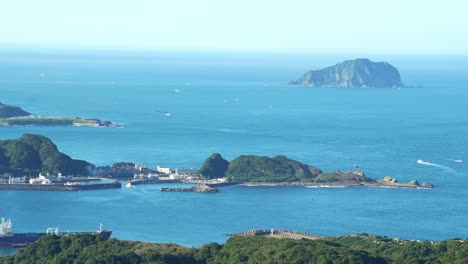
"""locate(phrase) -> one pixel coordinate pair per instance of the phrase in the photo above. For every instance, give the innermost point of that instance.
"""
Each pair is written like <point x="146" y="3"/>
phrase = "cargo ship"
<point x="8" y="238"/>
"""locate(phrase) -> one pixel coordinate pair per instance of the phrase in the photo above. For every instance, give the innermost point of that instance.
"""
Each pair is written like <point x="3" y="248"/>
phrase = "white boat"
<point x="459" y="161"/>
<point x="128" y="184"/>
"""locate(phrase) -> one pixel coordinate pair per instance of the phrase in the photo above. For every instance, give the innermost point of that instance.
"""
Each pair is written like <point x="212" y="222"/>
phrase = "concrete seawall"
<point x="277" y="233"/>
<point x="59" y="187"/>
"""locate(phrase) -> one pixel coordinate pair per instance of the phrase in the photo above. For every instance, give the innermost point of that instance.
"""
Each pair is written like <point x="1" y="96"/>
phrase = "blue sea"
<point x="237" y="104"/>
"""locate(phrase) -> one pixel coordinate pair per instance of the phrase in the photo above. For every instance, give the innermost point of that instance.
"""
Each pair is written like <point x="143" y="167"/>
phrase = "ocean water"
<point x="236" y="104"/>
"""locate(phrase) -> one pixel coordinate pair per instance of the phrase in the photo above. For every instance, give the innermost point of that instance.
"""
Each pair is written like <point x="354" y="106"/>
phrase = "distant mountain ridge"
<point x="353" y="73"/>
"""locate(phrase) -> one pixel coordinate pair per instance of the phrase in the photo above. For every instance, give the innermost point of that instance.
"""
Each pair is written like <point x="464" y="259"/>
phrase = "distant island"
<point x="15" y="116"/>
<point x="353" y="73"/>
<point x="34" y="154"/>
<point x="280" y="171"/>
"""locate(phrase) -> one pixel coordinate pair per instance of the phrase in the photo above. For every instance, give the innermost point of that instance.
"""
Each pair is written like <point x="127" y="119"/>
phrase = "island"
<point x="15" y="116"/>
<point x="353" y="73"/>
<point x="283" y="246"/>
<point x="252" y="170"/>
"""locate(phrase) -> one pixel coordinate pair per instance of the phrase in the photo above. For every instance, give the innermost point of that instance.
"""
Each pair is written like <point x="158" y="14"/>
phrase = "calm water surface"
<point x="235" y="105"/>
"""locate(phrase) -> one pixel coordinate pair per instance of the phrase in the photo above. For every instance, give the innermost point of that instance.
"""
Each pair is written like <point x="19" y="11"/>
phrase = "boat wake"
<point x="422" y="162"/>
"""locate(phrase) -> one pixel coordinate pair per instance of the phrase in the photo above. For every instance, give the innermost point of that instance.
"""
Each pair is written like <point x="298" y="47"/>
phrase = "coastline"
<point x="28" y="121"/>
<point x="334" y="184"/>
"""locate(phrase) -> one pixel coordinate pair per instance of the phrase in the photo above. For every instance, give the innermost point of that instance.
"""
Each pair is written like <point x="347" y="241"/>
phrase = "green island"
<point x="15" y="116"/>
<point x="353" y="73"/>
<point x="260" y="170"/>
<point x="34" y="154"/>
<point x="360" y="248"/>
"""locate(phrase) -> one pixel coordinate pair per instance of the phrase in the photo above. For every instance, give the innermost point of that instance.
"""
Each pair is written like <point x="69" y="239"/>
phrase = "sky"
<point x="327" y="26"/>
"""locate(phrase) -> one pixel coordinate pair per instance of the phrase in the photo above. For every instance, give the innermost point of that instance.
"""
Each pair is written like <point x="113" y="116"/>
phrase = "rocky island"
<point x="254" y="170"/>
<point x="353" y="73"/>
<point x="15" y="116"/>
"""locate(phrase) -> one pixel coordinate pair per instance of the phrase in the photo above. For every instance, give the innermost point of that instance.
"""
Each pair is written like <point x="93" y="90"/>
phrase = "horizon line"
<point x="135" y="50"/>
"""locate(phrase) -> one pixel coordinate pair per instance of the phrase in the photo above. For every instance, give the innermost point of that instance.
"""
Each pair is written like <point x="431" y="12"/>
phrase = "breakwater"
<point x="59" y="186"/>
<point x="200" y="188"/>
<point x="276" y="233"/>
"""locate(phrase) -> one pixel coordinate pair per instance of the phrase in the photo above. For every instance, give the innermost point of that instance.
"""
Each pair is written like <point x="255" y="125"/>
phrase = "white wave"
<point x="422" y="162"/>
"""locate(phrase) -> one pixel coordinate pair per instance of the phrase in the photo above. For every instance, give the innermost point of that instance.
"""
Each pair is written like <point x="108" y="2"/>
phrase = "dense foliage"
<point x="7" y="111"/>
<point x="214" y="167"/>
<point x="345" y="249"/>
<point x="32" y="154"/>
<point x="40" y="122"/>
<point x="454" y="251"/>
<point x="93" y="249"/>
<point x="338" y="176"/>
<point x="250" y="168"/>
<point x="123" y="165"/>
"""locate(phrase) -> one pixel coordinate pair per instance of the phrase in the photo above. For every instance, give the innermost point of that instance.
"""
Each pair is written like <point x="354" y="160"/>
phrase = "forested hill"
<point x="248" y="249"/>
<point x="32" y="154"/>
<point x="7" y="111"/>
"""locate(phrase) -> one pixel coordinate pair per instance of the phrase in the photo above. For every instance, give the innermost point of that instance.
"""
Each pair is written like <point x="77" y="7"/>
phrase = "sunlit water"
<point x="235" y="105"/>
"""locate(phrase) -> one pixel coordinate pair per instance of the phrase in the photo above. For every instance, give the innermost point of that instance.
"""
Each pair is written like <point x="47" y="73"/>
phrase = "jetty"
<point x="67" y="186"/>
<point x="203" y="188"/>
<point x="278" y="233"/>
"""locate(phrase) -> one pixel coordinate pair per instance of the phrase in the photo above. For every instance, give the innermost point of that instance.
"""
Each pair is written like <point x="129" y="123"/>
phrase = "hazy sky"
<point x="332" y="26"/>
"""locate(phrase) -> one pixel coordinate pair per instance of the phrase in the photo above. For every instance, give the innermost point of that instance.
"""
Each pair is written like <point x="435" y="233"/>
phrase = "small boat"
<point x="167" y="114"/>
<point x="128" y="184"/>
<point x="356" y="166"/>
<point x="459" y="161"/>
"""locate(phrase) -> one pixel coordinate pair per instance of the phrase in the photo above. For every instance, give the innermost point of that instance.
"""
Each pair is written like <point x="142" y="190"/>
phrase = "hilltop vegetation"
<point x="345" y="249"/>
<point x="250" y="168"/>
<point x="214" y="167"/>
<point x="7" y="111"/>
<point x="353" y="73"/>
<point x="32" y="154"/>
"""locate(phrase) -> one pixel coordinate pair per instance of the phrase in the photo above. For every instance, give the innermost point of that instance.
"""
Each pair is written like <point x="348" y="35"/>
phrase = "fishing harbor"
<point x="58" y="183"/>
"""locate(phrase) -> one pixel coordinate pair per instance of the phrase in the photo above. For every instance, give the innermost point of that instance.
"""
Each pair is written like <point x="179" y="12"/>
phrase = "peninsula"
<point x="353" y="73"/>
<point x="254" y="170"/>
<point x="15" y="116"/>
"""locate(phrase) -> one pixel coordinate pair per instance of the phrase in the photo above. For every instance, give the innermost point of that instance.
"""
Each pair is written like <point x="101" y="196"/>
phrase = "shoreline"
<point x="333" y="185"/>
<point x="34" y="121"/>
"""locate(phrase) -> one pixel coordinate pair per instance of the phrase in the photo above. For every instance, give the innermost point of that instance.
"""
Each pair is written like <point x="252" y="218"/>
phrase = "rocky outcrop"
<point x="414" y="182"/>
<point x="203" y="188"/>
<point x="427" y="185"/>
<point x="390" y="179"/>
<point x="353" y="73"/>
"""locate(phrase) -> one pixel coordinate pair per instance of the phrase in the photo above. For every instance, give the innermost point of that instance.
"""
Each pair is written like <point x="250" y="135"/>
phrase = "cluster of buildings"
<point x="128" y="170"/>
